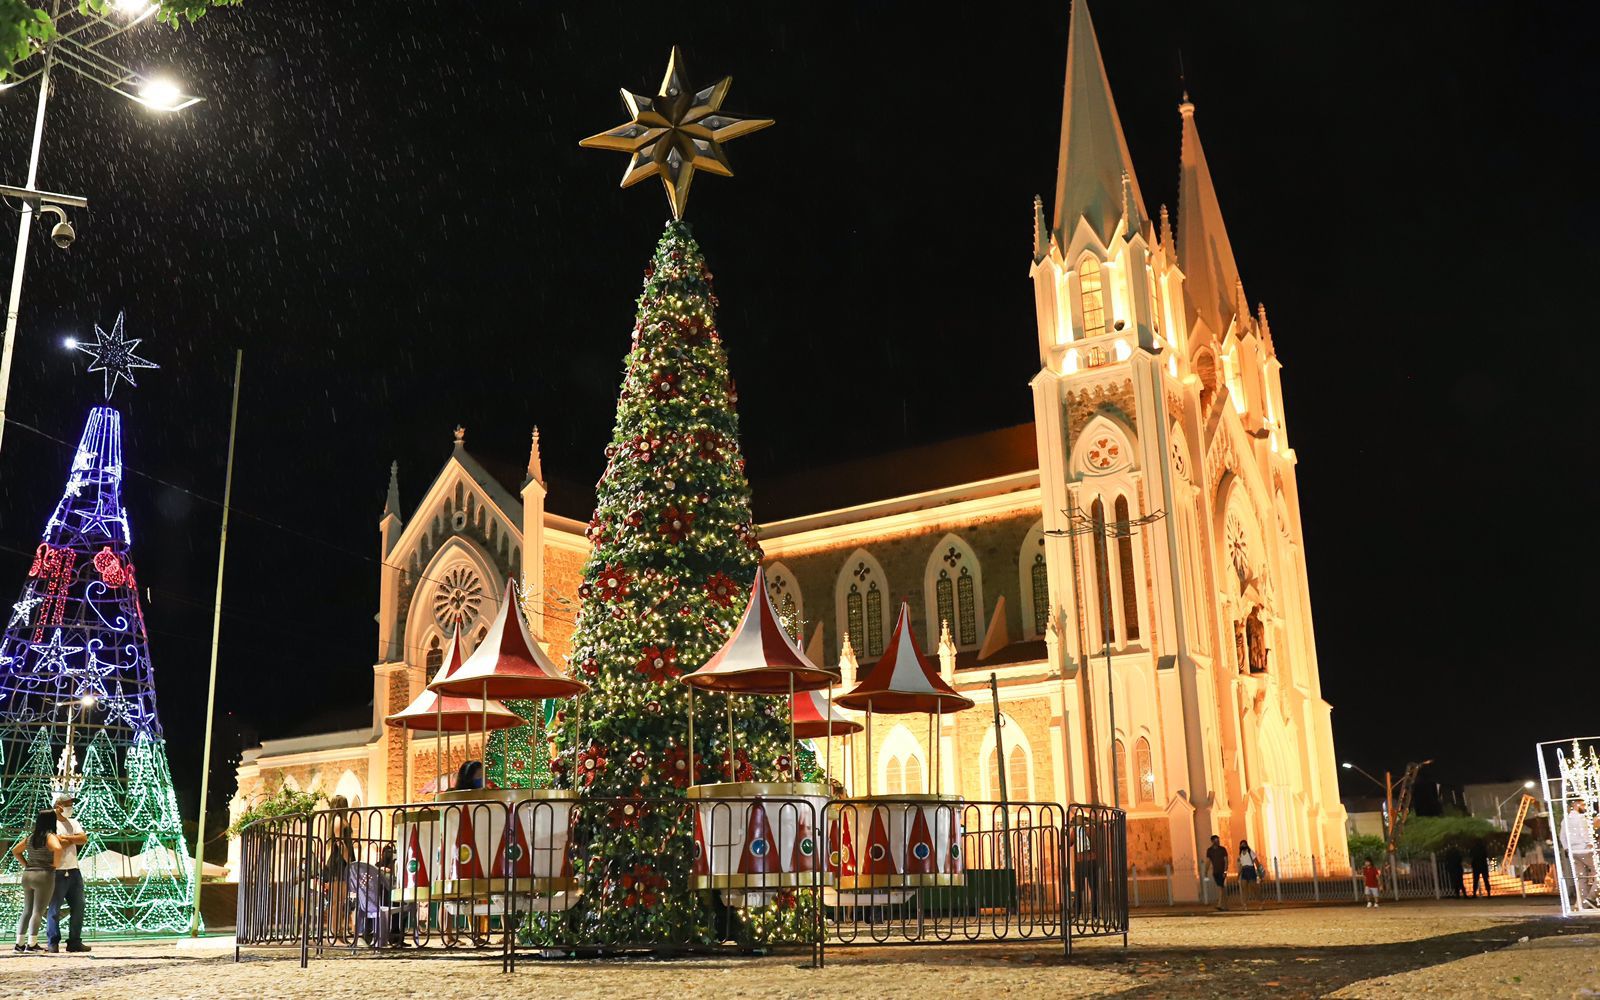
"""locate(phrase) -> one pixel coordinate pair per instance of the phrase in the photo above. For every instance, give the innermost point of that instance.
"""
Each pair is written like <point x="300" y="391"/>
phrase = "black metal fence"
<point x="516" y="876"/>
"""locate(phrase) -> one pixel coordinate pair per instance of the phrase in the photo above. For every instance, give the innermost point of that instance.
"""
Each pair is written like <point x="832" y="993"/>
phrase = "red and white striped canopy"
<point x="435" y="713"/>
<point x="508" y="663"/>
<point x="759" y="657"/>
<point x="903" y="680"/>
<point x="811" y="718"/>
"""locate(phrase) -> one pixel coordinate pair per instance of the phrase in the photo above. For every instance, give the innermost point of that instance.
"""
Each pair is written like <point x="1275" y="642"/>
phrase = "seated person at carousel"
<point x="471" y="776"/>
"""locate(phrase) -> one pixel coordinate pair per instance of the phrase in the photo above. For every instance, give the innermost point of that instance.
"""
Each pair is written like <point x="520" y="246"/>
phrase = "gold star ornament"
<point x="675" y="133"/>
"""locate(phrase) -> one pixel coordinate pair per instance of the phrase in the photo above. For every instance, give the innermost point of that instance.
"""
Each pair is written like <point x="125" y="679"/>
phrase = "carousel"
<point x="494" y="840"/>
<point x="753" y="838"/>
<point x="911" y="839"/>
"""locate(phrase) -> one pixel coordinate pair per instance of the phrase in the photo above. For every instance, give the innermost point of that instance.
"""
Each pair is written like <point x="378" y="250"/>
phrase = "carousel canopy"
<point x="508" y="663"/>
<point x="903" y="680"/>
<point x="811" y="718"/>
<point x="432" y="712"/>
<point x="760" y="658"/>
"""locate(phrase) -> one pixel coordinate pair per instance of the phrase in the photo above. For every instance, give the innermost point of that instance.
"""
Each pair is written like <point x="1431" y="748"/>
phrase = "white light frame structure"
<point x="1568" y="770"/>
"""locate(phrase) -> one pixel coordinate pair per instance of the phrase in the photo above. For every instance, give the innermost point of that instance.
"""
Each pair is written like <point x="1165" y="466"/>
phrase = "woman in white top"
<point x="1249" y="871"/>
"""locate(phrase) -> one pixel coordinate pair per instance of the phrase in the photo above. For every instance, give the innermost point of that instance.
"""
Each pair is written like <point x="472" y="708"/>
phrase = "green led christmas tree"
<point x="674" y="553"/>
<point x="77" y="690"/>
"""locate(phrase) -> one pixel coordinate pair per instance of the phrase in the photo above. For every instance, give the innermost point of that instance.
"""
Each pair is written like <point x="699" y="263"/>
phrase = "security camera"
<point x="62" y="234"/>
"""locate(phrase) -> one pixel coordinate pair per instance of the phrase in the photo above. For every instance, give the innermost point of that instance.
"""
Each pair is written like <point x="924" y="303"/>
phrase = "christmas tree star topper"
<point x="675" y="133"/>
<point x="114" y="355"/>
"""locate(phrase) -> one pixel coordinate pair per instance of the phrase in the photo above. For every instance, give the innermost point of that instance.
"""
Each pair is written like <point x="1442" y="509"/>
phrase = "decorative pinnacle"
<point x="461" y="436"/>
<point x="1041" y="231"/>
<point x="535" y="464"/>
<point x="1166" y="229"/>
<point x="391" y="503"/>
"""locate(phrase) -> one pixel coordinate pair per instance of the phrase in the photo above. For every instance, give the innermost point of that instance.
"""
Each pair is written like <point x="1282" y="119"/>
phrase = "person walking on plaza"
<point x="1372" y="879"/>
<point x="69" y="880"/>
<point x="1218" y="856"/>
<point x="1249" y="871"/>
<point x="37" y="855"/>
<point x="1480" y="866"/>
<point x="1578" y="830"/>
<point x="1454" y="872"/>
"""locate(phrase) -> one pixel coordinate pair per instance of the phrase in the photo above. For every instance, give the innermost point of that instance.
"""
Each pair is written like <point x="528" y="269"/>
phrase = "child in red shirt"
<point x="1371" y="877"/>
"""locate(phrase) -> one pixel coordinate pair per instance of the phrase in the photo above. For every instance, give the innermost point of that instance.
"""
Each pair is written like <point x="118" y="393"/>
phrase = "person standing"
<point x="1578" y="829"/>
<point x="37" y="854"/>
<point x="69" y="880"/>
<point x="1218" y="856"/>
<point x="1249" y="871"/>
<point x="1372" y="879"/>
<point x="1480" y="866"/>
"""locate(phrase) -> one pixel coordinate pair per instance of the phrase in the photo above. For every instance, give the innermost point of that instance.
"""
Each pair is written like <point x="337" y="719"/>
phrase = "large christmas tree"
<point x="674" y="553"/>
<point x="78" y="702"/>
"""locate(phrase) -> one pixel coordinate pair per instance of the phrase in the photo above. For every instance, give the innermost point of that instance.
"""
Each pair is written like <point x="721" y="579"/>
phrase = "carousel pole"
<point x="691" y="734"/>
<point x="869" y="748"/>
<point x="483" y="746"/>
<point x="733" y="772"/>
<point x="792" y="770"/>
<point x="827" y="743"/>
<point x="938" y="740"/>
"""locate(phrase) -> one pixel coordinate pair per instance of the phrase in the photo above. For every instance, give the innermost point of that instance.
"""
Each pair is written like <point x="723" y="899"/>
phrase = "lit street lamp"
<point x="76" y="48"/>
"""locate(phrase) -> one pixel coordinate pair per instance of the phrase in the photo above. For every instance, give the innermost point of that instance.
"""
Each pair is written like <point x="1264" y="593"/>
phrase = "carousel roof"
<point x="904" y="680"/>
<point x="432" y="712"/>
<point x="811" y="718"/>
<point x="509" y="663"/>
<point x="759" y="657"/>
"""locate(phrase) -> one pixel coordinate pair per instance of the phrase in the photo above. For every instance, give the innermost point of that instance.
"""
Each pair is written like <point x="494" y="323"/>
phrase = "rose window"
<point x="458" y="599"/>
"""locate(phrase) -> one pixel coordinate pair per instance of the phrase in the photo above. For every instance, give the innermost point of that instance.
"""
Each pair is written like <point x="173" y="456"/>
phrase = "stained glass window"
<point x="1041" y="594"/>
<point x="1017" y="775"/>
<point x="944" y="598"/>
<point x="434" y="658"/>
<point x="969" y="611"/>
<point x="1102" y="571"/>
<point x="874" y="621"/>
<point x="790" y="615"/>
<point x="853" y="618"/>
<point x="1144" y="771"/>
<point x="1119" y="763"/>
<point x="912" y="782"/>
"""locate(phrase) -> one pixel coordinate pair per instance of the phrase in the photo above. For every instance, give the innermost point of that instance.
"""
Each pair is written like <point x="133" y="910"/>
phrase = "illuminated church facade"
<point x="1129" y="567"/>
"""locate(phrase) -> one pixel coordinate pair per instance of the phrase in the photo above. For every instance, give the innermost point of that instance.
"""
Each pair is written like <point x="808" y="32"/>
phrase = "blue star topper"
<point x="114" y="355"/>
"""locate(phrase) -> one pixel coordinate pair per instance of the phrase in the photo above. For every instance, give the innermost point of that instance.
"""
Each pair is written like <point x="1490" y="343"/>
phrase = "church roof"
<point x="1210" y="276"/>
<point x="917" y="469"/>
<point x="1094" y="154"/>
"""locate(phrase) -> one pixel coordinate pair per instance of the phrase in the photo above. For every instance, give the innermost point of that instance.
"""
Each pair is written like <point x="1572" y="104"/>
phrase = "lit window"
<point x="1119" y="763"/>
<point x="1017" y="775"/>
<point x="874" y="620"/>
<point x="1144" y="770"/>
<point x="1091" y="295"/>
<point x="854" y="618"/>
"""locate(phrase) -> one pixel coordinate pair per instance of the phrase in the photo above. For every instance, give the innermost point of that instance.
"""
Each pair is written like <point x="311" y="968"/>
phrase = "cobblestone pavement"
<point x="1457" y="949"/>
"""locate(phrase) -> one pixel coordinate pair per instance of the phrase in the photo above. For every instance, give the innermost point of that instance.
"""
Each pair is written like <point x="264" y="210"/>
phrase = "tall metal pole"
<point x="25" y="227"/>
<point x="1000" y="769"/>
<point x="216" y="637"/>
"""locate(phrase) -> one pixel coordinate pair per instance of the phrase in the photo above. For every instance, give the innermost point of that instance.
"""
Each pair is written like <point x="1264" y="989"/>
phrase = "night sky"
<point x="385" y="206"/>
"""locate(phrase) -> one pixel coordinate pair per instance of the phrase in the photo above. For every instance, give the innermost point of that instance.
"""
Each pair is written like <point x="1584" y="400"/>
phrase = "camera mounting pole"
<point x="38" y="199"/>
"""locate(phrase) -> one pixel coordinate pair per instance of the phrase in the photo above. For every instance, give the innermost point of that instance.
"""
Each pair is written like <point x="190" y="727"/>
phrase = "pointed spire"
<point x="1131" y="209"/>
<point x="1041" y="231"/>
<point x="1204" y="253"/>
<point x="1265" y="327"/>
<point x="1094" y="154"/>
<point x="535" y="465"/>
<point x="391" y="503"/>
<point x="1166" y="229"/>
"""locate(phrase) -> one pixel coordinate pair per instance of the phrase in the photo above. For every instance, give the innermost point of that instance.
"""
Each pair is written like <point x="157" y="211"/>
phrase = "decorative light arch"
<point x="952" y="590"/>
<point x="862" y="604"/>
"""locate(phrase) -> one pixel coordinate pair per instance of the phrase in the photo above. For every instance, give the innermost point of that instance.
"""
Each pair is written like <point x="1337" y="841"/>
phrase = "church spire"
<point x="535" y="465"/>
<point x="1094" y="155"/>
<point x="391" y="503"/>
<point x="1204" y="254"/>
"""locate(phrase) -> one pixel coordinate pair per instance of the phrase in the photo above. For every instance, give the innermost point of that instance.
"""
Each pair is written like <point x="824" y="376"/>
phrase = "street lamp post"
<point x="76" y="49"/>
<point x="1500" y="819"/>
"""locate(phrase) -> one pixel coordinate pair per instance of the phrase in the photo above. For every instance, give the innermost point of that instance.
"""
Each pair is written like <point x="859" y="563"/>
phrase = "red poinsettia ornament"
<point x="674" y="769"/>
<point x="659" y="663"/>
<point x="722" y="589"/>
<point x="614" y="582"/>
<point x="591" y="764"/>
<point x="675" y="524"/>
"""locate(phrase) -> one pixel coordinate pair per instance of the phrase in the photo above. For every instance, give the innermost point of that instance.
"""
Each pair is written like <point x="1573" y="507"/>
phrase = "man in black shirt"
<point x="1218" y="856"/>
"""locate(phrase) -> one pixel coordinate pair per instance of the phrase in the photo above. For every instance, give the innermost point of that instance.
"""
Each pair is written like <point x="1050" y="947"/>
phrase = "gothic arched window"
<point x="855" y="617"/>
<point x="1130" y="593"/>
<point x="790" y="616"/>
<point x="1119" y="764"/>
<point x="1017" y="775"/>
<point x="967" y="634"/>
<point x="434" y="658"/>
<point x="874" y="620"/>
<point x="945" y="599"/>
<point x="1091" y="296"/>
<point x="1144" y="772"/>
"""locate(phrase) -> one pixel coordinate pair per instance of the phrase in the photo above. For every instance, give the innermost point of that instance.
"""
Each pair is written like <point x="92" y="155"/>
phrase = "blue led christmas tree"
<point x="78" y="699"/>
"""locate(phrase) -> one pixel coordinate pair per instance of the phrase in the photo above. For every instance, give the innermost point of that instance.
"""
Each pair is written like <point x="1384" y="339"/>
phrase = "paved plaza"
<point x="1457" y="949"/>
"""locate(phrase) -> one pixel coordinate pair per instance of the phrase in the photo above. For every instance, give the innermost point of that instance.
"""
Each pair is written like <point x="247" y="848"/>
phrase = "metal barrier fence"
<point x="515" y="875"/>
